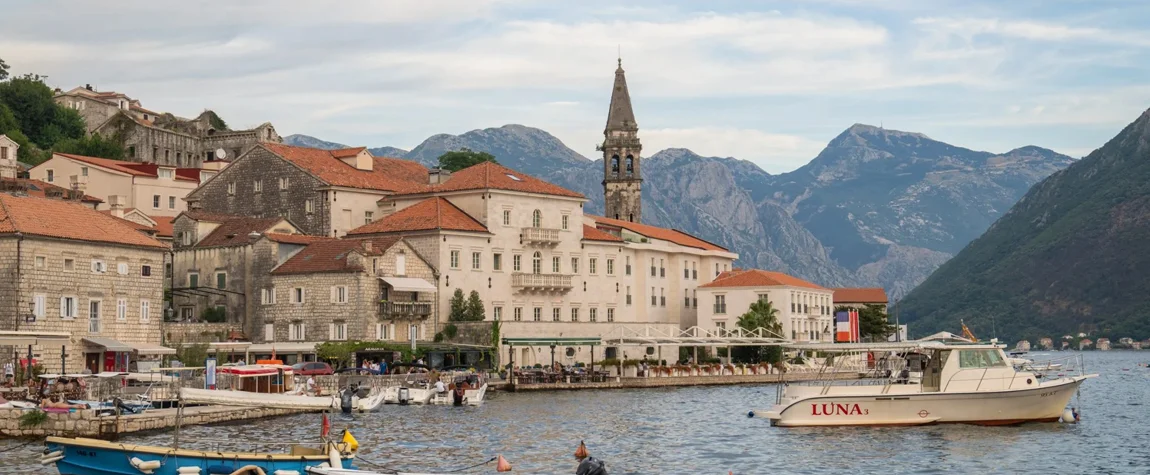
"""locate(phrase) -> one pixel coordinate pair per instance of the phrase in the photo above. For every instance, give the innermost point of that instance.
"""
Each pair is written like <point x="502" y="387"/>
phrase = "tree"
<point x="7" y="120"/>
<point x="39" y="117"/>
<point x="3" y="70"/>
<point x="874" y="325"/>
<point x="92" y="146"/>
<point x="762" y="314"/>
<point x="459" y="159"/>
<point x="216" y="121"/>
<point x="474" y="311"/>
<point x="458" y="307"/>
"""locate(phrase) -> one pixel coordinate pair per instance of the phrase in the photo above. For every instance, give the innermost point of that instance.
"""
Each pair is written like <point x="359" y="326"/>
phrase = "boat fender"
<point x="51" y="460"/>
<point x="188" y="471"/>
<point x="1069" y="417"/>
<point x="750" y="414"/>
<point x="333" y="457"/>
<point x="146" y="467"/>
<point x="56" y="453"/>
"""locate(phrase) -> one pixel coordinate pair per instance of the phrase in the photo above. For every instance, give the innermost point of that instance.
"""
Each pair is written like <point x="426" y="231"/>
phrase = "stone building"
<point x="622" y="180"/>
<point x="861" y="297"/>
<point x="325" y="192"/>
<point x="154" y="190"/>
<point x="805" y="310"/>
<point x="68" y="268"/>
<point x="9" y="167"/>
<point x="160" y="138"/>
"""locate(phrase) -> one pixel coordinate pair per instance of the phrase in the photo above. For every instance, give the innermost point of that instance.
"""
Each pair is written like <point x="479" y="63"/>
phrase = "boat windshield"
<point x="983" y="358"/>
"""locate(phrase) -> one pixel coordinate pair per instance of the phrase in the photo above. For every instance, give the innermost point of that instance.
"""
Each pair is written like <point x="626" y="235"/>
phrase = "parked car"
<point x="313" y="368"/>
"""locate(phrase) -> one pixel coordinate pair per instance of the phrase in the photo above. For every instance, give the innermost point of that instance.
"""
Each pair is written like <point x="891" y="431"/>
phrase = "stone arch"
<point x="630" y="164"/>
<point x="537" y="263"/>
<point x="615" y="164"/>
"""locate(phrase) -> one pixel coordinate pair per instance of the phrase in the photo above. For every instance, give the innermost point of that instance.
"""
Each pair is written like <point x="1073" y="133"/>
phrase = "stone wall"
<point x="264" y="166"/>
<point x="144" y="143"/>
<point x="234" y="261"/>
<point x="197" y="332"/>
<point x="85" y="423"/>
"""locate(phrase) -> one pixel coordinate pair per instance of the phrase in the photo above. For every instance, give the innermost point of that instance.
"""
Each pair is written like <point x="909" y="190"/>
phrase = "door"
<point x="932" y="376"/>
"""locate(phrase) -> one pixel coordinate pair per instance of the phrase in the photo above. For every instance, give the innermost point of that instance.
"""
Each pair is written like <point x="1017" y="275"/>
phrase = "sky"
<point x="769" y="82"/>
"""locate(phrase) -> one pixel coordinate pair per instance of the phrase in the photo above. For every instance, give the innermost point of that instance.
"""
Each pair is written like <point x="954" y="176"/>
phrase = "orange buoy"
<point x="502" y="465"/>
<point x="581" y="452"/>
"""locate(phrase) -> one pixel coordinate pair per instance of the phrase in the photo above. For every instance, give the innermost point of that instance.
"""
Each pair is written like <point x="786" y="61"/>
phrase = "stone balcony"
<point x="541" y="282"/>
<point x="544" y="236"/>
<point x="404" y="310"/>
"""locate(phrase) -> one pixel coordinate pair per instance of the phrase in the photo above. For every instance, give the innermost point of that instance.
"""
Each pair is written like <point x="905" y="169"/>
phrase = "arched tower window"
<point x="615" y="164"/>
<point x="536" y="263"/>
<point x="631" y="218"/>
<point x="630" y="164"/>
<point x="537" y="219"/>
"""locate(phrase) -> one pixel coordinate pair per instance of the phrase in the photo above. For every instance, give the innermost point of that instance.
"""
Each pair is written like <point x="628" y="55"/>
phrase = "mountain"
<point x="1072" y="255"/>
<point x="523" y="148"/>
<point x="300" y="140"/>
<point x="393" y="152"/>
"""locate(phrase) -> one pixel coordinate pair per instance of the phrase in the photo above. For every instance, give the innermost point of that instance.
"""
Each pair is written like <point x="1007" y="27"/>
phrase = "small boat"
<point x="466" y="389"/>
<point x="79" y="456"/>
<point x="414" y="389"/>
<point x="961" y="383"/>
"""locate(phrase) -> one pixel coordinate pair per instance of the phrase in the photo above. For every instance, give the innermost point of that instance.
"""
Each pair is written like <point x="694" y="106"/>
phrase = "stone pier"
<point x="678" y="381"/>
<point x="85" y="423"/>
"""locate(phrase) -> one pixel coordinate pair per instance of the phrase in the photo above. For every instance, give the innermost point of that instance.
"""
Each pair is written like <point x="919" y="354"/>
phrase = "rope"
<point x="14" y="447"/>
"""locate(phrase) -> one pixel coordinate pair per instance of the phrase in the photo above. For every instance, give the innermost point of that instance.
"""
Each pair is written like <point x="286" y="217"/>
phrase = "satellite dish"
<point x="221" y="154"/>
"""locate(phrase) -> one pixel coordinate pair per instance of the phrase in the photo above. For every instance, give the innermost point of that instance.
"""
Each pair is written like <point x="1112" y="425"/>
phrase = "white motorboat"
<point x="961" y="383"/>
<point x="408" y="393"/>
<point x="466" y="389"/>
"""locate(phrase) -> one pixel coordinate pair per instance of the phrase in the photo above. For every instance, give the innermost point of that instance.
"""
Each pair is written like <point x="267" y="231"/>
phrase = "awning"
<point x="283" y="348"/>
<point x="109" y="344"/>
<point x="408" y="284"/>
<point x="562" y="341"/>
<point x="25" y="338"/>
<point x="150" y="349"/>
<point x="228" y="346"/>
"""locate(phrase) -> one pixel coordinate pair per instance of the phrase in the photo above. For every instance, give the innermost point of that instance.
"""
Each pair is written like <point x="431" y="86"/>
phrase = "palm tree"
<point x="762" y="314"/>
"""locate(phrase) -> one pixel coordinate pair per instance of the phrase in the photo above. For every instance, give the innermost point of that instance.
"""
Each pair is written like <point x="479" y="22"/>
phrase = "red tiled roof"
<point x="190" y="174"/>
<point x="331" y="255"/>
<point x="488" y="175"/>
<point x="407" y="170"/>
<point x="432" y="213"/>
<point x="40" y="189"/>
<point x="347" y="152"/>
<point x="860" y="295"/>
<point x="672" y="235"/>
<point x="122" y="167"/>
<point x="758" y="278"/>
<point x="234" y="232"/>
<point x="66" y="220"/>
<point x="325" y="166"/>
<point x="164" y="225"/>
<point x="591" y="233"/>
<point x="296" y="238"/>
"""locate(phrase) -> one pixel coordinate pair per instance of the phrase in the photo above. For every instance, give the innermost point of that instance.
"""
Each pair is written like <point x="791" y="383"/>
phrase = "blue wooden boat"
<point x="80" y="456"/>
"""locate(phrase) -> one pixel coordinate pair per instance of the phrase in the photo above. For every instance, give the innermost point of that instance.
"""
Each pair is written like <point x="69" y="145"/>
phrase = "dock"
<point x="85" y="423"/>
<point x="677" y="381"/>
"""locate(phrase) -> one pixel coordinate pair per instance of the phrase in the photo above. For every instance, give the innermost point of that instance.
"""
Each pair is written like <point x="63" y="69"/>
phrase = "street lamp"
<point x="31" y="317"/>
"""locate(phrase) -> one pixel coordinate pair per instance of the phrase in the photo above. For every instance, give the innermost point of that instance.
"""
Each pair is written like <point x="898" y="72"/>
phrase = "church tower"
<point x="622" y="183"/>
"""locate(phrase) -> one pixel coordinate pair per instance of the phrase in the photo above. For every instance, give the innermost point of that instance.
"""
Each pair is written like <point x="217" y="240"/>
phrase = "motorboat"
<point x="415" y="388"/>
<point x="961" y="383"/>
<point x="466" y="389"/>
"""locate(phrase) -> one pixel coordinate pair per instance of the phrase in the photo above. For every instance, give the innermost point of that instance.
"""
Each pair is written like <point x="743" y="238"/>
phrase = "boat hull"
<point x="1045" y="403"/>
<point x="97" y="457"/>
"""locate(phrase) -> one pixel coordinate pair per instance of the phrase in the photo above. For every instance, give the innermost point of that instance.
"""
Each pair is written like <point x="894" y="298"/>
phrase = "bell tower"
<point x="622" y="183"/>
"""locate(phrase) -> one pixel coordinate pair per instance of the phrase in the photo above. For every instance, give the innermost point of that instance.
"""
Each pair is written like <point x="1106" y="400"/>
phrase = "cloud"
<point x="1030" y="30"/>
<point x="775" y="153"/>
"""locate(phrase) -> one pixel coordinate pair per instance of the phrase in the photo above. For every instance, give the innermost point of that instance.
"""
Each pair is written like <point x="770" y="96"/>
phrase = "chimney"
<point x="89" y="87"/>
<point x="367" y="246"/>
<point x="361" y="161"/>
<point x="116" y="203"/>
<point x="79" y="183"/>
<point x="437" y="175"/>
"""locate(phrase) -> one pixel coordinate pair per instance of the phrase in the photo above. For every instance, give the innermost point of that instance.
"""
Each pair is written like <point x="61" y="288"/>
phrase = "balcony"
<point x="541" y="282"/>
<point x="540" y="236"/>
<point x="404" y="310"/>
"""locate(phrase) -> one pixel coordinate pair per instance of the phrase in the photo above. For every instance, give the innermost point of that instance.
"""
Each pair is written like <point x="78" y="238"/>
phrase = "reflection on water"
<point x="705" y="430"/>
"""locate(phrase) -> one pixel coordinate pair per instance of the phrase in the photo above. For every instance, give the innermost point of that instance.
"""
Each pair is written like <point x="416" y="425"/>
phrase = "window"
<point x="610" y="315"/>
<point x="221" y="280"/>
<point x="686" y="271"/>
<point x="628" y="267"/>
<point x="497" y="261"/>
<point x="368" y="217"/>
<point x="309" y="207"/>
<point x="384" y="331"/>
<point x="574" y="265"/>
<point x="475" y="257"/>
<point x="99" y="267"/>
<point x="518" y="314"/>
<point x="284" y="183"/>
<point x="156" y="201"/>
<point x="591" y="265"/>
<point x="69" y="264"/>
<point x="537" y="313"/>
<point x="555" y="264"/>
<point x="297" y="295"/>
<point x="574" y="314"/>
<point x="662" y="270"/>
<point x="121" y="309"/>
<point x="716" y="269"/>
<point x="231" y="188"/>
<point x="536" y="263"/>
<point x="41" y="262"/>
<point x="536" y="219"/>
<point x="296" y="332"/>
<point x="555" y="314"/>
<point x="662" y="298"/>
<point x="654" y="298"/>
<point x="610" y="266"/>
<point x="39" y="305"/>
<point x="338" y="331"/>
<point x="257" y="186"/>
<point x="186" y="238"/>
<point x="979" y="359"/>
<point x="3" y="153"/>
<point x="68" y="307"/>
<point x="187" y="313"/>
<point x="720" y="304"/>
<point x="83" y="171"/>
<point x="507" y="217"/>
<point x="339" y="294"/>
<point x="51" y="176"/>
<point x="164" y="173"/>
<point x="268" y="296"/>
<point x="653" y="269"/>
<point x="400" y="263"/>
<point x="145" y="310"/>
<point x="628" y="295"/>
<point x="695" y="298"/>
<point x="565" y="219"/>
<point x="454" y="259"/>
<point x="686" y="298"/>
<point x="171" y="202"/>
<point x="516" y="262"/>
<point x="592" y="314"/>
<point x="269" y="332"/>
<point x="497" y="313"/>
<point x="93" y="316"/>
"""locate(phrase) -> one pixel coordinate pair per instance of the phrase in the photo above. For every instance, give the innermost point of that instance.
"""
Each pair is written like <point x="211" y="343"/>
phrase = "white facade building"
<point x="805" y="310"/>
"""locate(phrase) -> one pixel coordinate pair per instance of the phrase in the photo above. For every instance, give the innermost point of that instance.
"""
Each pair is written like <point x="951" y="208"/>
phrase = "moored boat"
<point x="961" y="383"/>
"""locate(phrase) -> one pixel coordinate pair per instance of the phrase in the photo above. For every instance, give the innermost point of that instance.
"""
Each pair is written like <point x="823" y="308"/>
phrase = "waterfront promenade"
<point x="676" y="381"/>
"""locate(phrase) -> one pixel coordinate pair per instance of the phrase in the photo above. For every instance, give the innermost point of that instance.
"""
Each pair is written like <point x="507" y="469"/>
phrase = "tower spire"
<point x="622" y="181"/>
<point x="619" y="115"/>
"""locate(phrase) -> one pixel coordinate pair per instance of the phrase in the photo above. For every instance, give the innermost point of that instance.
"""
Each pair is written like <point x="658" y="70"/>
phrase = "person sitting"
<point x="55" y="402"/>
<point x="440" y="388"/>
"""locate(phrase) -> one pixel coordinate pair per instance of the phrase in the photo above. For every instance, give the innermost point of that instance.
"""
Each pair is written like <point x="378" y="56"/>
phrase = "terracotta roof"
<point x="164" y="225"/>
<point x="590" y="233"/>
<point x="672" y="235"/>
<point x="429" y="214"/>
<point x="296" y="238"/>
<point x="206" y="216"/>
<point x="66" y="220"/>
<point x="189" y="174"/>
<point x="331" y="255"/>
<point x="408" y="170"/>
<point x="329" y="169"/>
<point x="234" y="232"/>
<point x="40" y="189"/>
<point x="860" y="295"/>
<point x="116" y="165"/>
<point x="347" y="152"/>
<point x="758" y="278"/>
<point x="488" y="175"/>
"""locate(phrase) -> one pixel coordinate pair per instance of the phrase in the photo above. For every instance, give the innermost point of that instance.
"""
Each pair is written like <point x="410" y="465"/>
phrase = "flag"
<point x="326" y="427"/>
<point x="855" y="337"/>
<point x="842" y="327"/>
